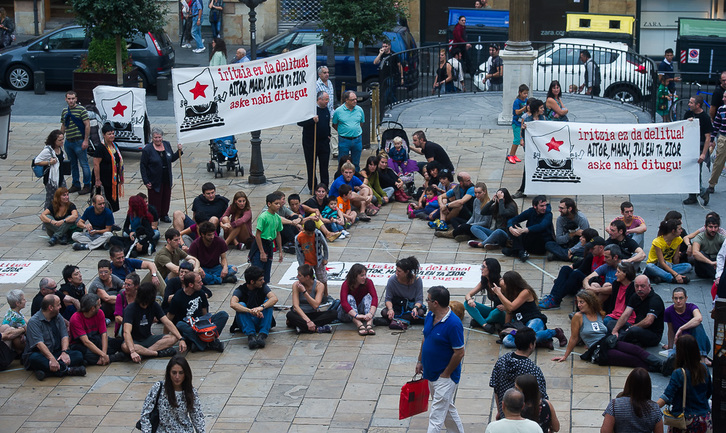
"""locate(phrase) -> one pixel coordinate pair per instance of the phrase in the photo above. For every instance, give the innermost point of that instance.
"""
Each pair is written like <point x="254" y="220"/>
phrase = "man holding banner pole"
<point x="316" y="142"/>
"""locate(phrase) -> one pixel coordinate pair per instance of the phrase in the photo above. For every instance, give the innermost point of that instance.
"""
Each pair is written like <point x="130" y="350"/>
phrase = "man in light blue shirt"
<point x="348" y="121"/>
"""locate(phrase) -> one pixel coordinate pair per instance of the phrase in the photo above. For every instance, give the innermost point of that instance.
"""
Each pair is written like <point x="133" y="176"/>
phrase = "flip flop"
<point x="362" y="330"/>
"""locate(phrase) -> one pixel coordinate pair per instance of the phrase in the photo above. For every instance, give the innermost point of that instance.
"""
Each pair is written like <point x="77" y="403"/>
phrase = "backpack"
<point x="205" y="329"/>
<point x="39" y="170"/>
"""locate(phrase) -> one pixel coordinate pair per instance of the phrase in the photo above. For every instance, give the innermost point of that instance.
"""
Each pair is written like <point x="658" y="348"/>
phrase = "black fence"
<point x="625" y="76"/>
<point x="702" y="84"/>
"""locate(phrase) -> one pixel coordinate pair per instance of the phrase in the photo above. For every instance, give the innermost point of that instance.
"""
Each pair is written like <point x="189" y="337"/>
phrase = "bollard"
<point x="162" y="88"/>
<point x="39" y="82"/>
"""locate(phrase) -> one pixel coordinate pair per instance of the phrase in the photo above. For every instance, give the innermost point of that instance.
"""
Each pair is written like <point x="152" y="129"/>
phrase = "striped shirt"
<point x="719" y="123"/>
<point x="72" y="132"/>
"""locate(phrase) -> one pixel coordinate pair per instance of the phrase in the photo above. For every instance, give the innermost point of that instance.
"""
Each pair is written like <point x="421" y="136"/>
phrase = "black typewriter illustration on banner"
<point x="119" y="113"/>
<point x="199" y="98"/>
<point x="554" y="158"/>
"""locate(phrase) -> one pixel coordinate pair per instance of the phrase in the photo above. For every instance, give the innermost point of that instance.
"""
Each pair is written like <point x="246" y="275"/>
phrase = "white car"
<point x="626" y="76"/>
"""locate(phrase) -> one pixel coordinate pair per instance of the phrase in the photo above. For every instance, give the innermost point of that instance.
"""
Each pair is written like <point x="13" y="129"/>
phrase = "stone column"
<point x="518" y="58"/>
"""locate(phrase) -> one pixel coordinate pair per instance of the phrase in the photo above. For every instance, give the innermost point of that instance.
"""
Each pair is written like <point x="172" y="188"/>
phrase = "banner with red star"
<point x="567" y="158"/>
<point x="125" y="109"/>
<point x="212" y="102"/>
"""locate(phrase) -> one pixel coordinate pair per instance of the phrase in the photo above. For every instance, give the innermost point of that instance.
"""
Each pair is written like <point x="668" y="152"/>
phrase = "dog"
<point x="458" y="309"/>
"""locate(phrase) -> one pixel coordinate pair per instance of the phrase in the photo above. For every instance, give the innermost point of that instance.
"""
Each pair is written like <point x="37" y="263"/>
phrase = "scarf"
<point x="117" y="173"/>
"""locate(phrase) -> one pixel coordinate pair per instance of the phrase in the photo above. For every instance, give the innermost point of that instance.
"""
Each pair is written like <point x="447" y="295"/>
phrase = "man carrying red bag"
<point x="442" y="350"/>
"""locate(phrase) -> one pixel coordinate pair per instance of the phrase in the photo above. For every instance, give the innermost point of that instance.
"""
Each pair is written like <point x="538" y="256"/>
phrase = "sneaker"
<point x="199" y="50"/>
<point x="325" y="329"/>
<point x="380" y="321"/>
<point x="655" y="279"/>
<point x="490" y="247"/>
<point x="691" y="199"/>
<point x="548" y="303"/>
<point x="40" y="375"/>
<point x="432" y="224"/>
<point x="475" y="244"/>
<point x="342" y="236"/>
<point x="345" y="233"/>
<point x="298" y="331"/>
<point x="347" y="224"/>
<point x="216" y="345"/>
<point x="516" y="158"/>
<point x="64" y="240"/>
<point x="229" y="279"/>
<point x="710" y="190"/>
<point x="449" y="234"/>
<point x="234" y="327"/>
<point x="108" y="321"/>
<point x="546" y="344"/>
<point x="79" y="246"/>
<point x="363" y="217"/>
<point x="77" y="371"/>
<point x="165" y="219"/>
<point x="119" y="357"/>
<point x="252" y="342"/>
<point x="490" y="328"/>
<point x="52" y="241"/>
<point x="409" y="211"/>
<point x="85" y="190"/>
<point x="474" y="324"/>
<point x="74" y="189"/>
<point x="333" y="236"/>
<point x="523" y="255"/>
<point x="571" y="315"/>
<point x="261" y="340"/>
<point x="462" y="238"/>
<point x="187" y="45"/>
<point x="560" y="336"/>
<point x="511" y="160"/>
<point x="550" y="257"/>
<point x="166" y="353"/>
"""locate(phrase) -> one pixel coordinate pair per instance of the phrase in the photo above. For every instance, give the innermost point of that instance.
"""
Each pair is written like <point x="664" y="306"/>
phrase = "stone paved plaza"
<point x="337" y="382"/>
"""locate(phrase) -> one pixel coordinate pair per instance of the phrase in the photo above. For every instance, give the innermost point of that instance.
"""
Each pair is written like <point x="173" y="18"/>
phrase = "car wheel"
<point x="368" y="84"/>
<point x="625" y="94"/>
<point x="19" y="77"/>
<point x="143" y="80"/>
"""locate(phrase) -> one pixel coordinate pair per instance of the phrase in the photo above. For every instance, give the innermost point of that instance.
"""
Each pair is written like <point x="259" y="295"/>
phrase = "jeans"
<point x="197" y="33"/>
<point x="699" y="333"/>
<point x="354" y="147"/>
<point x="443" y="415"/>
<point x="638" y="237"/>
<point x="189" y="334"/>
<point x="77" y="154"/>
<point x="557" y="250"/>
<point x="37" y="361"/>
<point x="653" y="270"/>
<point x="481" y="232"/>
<point x="334" y="227"/>
<point x="255" y="260"/>
<point x="484" y="314"/>
<point x="213" y="275"/>
<point x="216" y="29"/>
<point x="252" y="325"/>
<point x="539" y="328"/>
<point x="568" y="282"/>
<point x="496" y="237"/>
<point x="640" y="336"/>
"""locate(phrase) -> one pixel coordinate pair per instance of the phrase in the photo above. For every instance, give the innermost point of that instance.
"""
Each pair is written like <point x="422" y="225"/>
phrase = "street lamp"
<point x="257" y="170"/>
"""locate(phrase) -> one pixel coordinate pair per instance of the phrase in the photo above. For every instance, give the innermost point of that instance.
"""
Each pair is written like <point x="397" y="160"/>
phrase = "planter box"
<point x="85" y="82"/>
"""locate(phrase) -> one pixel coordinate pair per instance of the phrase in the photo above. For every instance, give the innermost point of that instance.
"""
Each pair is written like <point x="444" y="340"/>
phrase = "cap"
<point x="597" y="240"/>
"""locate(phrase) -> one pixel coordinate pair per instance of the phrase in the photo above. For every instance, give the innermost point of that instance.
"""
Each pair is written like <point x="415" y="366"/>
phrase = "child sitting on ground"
<point x="428" y="206"/>
<point x="333" y="218"/>
<point x="349" y="215"/>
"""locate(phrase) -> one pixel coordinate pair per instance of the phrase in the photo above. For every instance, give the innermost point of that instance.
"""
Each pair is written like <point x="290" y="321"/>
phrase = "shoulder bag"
<point x="677" y="421"/>
<point x="154" y="414"/>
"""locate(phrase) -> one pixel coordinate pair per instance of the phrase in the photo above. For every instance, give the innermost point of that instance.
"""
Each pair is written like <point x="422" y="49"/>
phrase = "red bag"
<point x="414" y="398"/>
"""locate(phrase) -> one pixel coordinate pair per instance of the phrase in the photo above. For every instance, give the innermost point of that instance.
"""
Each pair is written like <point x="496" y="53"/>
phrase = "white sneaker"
<point x="199" y="50"/>
<point x="342" y="235"/>
<point x="187" y="45"/>
<point x="346" y="233"/>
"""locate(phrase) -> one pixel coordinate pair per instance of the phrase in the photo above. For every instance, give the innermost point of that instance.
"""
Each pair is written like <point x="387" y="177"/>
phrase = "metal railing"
<point x="625" y="76"/>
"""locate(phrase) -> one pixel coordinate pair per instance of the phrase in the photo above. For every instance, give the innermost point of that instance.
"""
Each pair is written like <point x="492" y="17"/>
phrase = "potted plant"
<point x="98" y="68"/>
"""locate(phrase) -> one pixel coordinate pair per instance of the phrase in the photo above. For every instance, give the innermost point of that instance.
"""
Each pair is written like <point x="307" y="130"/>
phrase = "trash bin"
<point x="7" y="100"/>
<point x="39" y="82"/>
<point x="364" y="102"/>
<point x="162" y="88"/>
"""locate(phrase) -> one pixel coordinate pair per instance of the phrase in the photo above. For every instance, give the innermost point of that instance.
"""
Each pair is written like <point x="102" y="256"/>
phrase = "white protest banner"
<point x="124" y="108"/>
<point x="567" y="158"/>
<point x="449" y="276"/>
<point x="218" y="101"/>
<point x="19" y="271"/>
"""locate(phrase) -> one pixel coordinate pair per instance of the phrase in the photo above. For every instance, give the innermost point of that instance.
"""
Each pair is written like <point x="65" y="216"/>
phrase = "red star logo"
<point x="198" y="90"/>
<point x="328" y="268"/>
<point x="118" y="109"/>
<point x="554" y="144"/>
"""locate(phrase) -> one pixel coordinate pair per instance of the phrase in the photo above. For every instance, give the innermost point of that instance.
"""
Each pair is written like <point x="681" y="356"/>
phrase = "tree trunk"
<point x="119" y="65"/>
<point x="358" y="73"/>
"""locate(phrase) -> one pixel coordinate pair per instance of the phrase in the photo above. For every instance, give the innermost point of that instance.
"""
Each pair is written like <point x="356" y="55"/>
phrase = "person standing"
<point x="717" y="98"/>
<point x="156" y="160"/>
<point x="348" y="121"/>
<point x="108" y="168"/>
<point x="186" y="13"/>
<point x="513" y="420"/>
<point x="696" y="111"/>
<point x="316" y="141"/>
<point x="592" y="74"/>
<point x="197" y="9"/>
<point x="496" y="71"/>
<point x="76" y="128"/>
<point x="216" y="9"/>
<point x="323" y="84"/>
<point x="439" y="360"/>
<point x="52" y="156"/>
<point x="665" y="68"/>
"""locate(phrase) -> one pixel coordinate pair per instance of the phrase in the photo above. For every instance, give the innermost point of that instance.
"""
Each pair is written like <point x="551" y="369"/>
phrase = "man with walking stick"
<point x="316" y="142"/>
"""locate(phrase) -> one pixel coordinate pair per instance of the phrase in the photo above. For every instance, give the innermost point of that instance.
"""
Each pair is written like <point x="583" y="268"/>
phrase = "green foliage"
<point x="102" y="57"/>
<point x="107" y="19"/>
<point x="363" y="21"/>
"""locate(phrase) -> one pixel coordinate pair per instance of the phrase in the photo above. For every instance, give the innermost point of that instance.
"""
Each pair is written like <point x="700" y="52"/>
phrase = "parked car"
<point x="311" y="33"/>
<point x="625" y="75"/>
<point x="59" y="53"/>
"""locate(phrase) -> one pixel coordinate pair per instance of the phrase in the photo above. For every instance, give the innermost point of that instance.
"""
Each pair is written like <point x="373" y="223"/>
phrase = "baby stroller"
<point x="222" y="151"/>
<point x="407" y="170"/>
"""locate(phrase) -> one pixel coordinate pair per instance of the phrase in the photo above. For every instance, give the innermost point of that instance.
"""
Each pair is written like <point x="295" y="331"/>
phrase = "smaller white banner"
<point x="12" y="272"/>
<point x="449" y="276"/>
<point x="124" y="108"/>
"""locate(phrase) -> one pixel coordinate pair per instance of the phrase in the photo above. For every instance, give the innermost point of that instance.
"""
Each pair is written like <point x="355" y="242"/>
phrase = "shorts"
<point x="517" y="131"/>
<point x="149" y="341"/>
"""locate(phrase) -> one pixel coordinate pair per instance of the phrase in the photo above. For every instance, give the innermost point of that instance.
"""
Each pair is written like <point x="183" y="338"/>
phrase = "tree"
<point x="117" y="20"/>
<point x="360" y="21"/>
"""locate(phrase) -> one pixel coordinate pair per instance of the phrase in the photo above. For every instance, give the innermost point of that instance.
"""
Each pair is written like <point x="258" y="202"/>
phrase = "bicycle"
<point x="680" y="107"/>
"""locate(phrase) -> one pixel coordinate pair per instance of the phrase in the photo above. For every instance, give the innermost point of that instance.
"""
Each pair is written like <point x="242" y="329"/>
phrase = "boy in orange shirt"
<point x="344" y="196"/>
<point x="312" y="249"/>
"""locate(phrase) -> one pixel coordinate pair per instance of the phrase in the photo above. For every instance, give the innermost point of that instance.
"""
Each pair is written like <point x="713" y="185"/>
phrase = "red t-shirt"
<point x="80" y="325"/>
<point x="208" y="256"/>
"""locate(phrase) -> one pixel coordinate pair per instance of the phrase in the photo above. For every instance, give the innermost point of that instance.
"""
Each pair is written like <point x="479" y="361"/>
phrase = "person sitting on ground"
<point x="519" y="300"/>
<point x="237" y="222"/>
<point x="649" y="309"/>
<point x="333" y="219"/>
<point x="88" y="332"/>
<point x="513" y="364"/>
<point x="632" y="253"/>
<point x="404" y="293"/>
<point x="126" y="296"/>
<point x="344" y="201"/>
<point x="291" y="221"/>
<point x="427" y="207"/>
<point x="314" y="207"/>
<point x="600" y="281"/>
<point x="72" y="287"/>
<point x="168" y="258"/>
<point x="106" y="286"/>
<point x="706" y="246"/>
<point x="48" y="286"/>
<point x="121" y="266"/>
<point x="482" y="315"/>
<point x="623" y="289"/>
<point x="371" y="178"/>
<point x="306" y="314"/>
<point x="252" y="303"/>
<point x="463" y="232"/>
<point x="684" y="318"/>
<point x="632" y="410"/>
<point x="358" y="300"/>
<point x="96" y="224"/>
<point x="457" y="205"/>
<point x="59" y="219"/>
<point x="138" y="318"/>
<point x="391" y="182"/>
<point x="207" y="206"/>
<point x="513" y="418"/>
<point x="663" y="259"/>
<point x="533" y="237"/>
<point x="361" y="195"/>
<point x="501" y="208"/>
<point x="431" y="151"/>
<point x="211" y="252"/>
<point x="47" y="351"/>
<point x="15" y="319"/>
<point x="570" y="225"/>
<point x="587" y="325"/>
<point x="191" y="303"/>
<point x="138" y="227"/>
<point x="8" y="338"/>
<point x="312" y="249"/>
<point x="536" y="408"/>
<point x="267" y="233"/>
<point x="635" y="225"/>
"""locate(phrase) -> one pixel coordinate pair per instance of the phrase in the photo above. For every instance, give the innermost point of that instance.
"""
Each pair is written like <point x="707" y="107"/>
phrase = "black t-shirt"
<point x="313" y="204"/>
<point x="392" y="66"/>
<point x="71" y="290"/>
<point x="717" y="98"/>
<point x="203" y="209"/>
<point x="69" y="211"/>
<point x="627" y="245"/>
<point x="141" y="319"/>
<point x="183" y="305"/>
<point x="435" y="151"/>
<point x="704" y="121"/>
<point x="652" y="304"/>
<point x="251" y="298"/>
<point x="172" y="286"/>
<point x="497" y="64"/>
<point x="387" y="178"/>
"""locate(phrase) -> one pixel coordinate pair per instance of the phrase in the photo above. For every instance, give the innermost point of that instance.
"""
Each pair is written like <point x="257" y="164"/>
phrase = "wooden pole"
<point x="184" y="190"/>
<point x="315" y="151"/>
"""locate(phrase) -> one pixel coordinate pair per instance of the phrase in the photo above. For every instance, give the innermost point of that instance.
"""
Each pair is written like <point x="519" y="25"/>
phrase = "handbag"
<point x="154" y="414"/>
<point x="414" y="398"/>
<point x="65" y="168"/>
<point x="677" y="421"/>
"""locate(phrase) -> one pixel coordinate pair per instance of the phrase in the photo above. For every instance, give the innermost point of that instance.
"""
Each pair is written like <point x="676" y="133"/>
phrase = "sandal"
<point x="370" y="330"/>
<point x="362" y="330"/>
